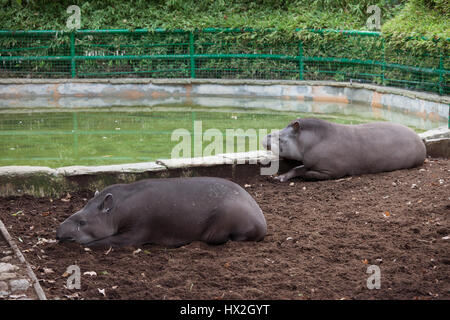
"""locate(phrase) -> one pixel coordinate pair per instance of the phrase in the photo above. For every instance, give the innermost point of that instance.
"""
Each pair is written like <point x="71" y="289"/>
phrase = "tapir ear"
<point x="296" y="125"/>
<point x="96" y="193"/>
<point x="107" y="204"/>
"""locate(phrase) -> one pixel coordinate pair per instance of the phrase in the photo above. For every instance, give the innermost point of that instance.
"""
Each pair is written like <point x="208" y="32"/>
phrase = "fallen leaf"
<point x="365" y="261"/>
<point x="72" y="296"/>
<point x="90" y="273"/>
<point x="43" y="241"/>
<point x="46" y="213"/>
<point x="102" y="291"/>
<point x="137" y="251"/>
<point x="226" y="265"/>
<point x="386" y="214"/>
<point x="108" y="251"/>
<point x="48" y="270"/>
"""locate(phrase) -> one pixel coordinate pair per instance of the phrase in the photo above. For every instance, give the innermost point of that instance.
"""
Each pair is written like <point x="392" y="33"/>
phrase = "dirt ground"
<point x="322" y="236"/>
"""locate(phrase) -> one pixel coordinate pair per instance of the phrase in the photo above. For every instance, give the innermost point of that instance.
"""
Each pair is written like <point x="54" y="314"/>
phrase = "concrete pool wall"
<point x="68" y="93"/>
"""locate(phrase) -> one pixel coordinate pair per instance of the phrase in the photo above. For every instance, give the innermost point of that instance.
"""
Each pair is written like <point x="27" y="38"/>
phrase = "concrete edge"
<point x="43" y="181"/>
<point x="37" y="287"/>
<point x="432" y="97"/>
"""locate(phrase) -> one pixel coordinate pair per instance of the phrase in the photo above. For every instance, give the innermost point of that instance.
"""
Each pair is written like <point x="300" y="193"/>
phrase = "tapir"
<point x="329" y="150"/>
<point x="170" y="212"/>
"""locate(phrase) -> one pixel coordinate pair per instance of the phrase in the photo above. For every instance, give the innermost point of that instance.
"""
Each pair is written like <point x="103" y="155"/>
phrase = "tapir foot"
<point x="282" y="178"/>
<point x="294" y="172"/>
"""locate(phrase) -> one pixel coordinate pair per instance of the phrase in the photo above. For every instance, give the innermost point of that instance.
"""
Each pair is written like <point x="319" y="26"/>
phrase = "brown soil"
<point x="321" y="238"/>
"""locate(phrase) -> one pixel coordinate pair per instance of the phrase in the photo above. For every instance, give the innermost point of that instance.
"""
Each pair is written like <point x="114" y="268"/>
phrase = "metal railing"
<point x="360" y="56"/>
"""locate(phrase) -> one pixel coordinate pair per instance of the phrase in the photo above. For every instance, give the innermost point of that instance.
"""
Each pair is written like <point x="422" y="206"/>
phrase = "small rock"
<point x="289" y="238"/>
<point x="3" y="286"/>
<point x="18" y="296"/>
<point x="19" y="285"/>
<point x="4" y="294"/>
<point x="394" y="184"/>
<point x="7" y="276"/>
<point x="291" y="184"/>
<point x="7" y="267"/>
<point x="414" y="186"/>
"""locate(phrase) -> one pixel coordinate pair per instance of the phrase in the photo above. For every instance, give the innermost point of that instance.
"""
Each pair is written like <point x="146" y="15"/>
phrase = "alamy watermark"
<point x="74" y="277"/>
<point x="374" y="20"/>
<point x="192" y="145"/>
<point x="74" y="20"/>
<point x="374" y="280"/>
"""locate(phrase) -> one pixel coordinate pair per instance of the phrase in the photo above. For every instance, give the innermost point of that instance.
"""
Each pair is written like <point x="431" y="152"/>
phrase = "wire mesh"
<point x="415" y="63"/>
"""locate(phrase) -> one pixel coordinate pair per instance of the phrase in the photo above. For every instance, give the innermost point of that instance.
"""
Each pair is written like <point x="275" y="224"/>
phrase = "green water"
<point x="116" y="135"/>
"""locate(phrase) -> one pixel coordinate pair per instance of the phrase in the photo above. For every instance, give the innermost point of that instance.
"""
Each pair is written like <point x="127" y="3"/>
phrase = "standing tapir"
<point x="169" y="212"/>
<point x="329" y="150"/>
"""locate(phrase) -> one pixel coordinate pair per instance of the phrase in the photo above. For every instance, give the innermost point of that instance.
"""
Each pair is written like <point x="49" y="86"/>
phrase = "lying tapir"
<point x="329" y="150"/>
<point x="169" y="212"/>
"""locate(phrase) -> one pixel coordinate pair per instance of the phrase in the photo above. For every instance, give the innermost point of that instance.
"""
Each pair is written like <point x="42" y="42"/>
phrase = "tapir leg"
<point x="235" y="223"/>
<point x="118" y="240"/>
<point x="303" y="172"/>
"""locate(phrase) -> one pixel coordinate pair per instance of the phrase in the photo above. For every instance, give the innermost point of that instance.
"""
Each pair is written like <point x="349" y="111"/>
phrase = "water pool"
<point x="58" y="137"/>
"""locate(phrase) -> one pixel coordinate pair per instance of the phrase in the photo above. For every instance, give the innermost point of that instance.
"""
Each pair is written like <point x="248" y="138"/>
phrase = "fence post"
<point x="383" y="81"/>
<point x="72" y="54"/>
<point x="441" y="77"/>
<point x="191" y="53"/>
<point x="300" y="59"/>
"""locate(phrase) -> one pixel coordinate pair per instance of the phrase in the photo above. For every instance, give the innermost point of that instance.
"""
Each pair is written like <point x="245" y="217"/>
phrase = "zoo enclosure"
<point x="360" y="56"/>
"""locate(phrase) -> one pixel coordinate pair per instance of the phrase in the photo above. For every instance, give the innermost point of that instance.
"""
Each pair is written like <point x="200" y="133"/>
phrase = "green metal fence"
<point x="369" y="57"/>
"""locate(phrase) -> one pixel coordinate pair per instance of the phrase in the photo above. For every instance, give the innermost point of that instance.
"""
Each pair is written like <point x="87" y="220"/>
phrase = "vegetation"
<point x="414" y="17"/>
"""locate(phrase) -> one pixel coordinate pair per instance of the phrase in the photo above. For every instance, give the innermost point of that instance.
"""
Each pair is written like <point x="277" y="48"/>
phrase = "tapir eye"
<point x="82" y="222"/>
